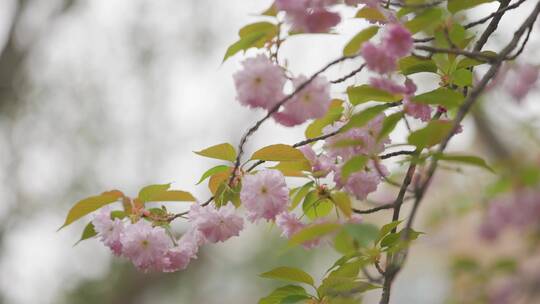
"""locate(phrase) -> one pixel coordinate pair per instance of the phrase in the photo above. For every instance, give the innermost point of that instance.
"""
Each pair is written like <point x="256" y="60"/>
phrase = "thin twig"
<point x="351" y="74"/>
<point x="498" y="12"/>
<point x="375" y="209"/>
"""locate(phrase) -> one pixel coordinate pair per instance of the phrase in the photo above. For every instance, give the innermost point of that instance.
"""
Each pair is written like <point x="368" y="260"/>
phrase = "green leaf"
<point x="279" y="152"/>
<point x="212" y="171"/>
<point x="355" y="164"/>
<point x="252" y="35"/>
<point x="87" y="205"/>
<point x="462" y="78"/>
<point x="294" y="299"/>
<point x="271" y="11"/>
<point x="315" y="208"/>
<point x="147" y="192"/>
<point x="412" y="65"/>
<point x="387" y="228"/>
<point x="289" y="274"/>
<point x="371" y="14"/>
<point x="469" y="62"/>
<point x="343" y="202"/>
<point x="243" y="44"/>
<point x="223" y="151"/>
<point x="390" y="240"/>
<point x="455" y="6"/>
<point x="335" y="286"/>
<point x="356" y="42"/>
<point x="466" y="159"/>
<point x="293" y="168"/>
<point x="276" y="296"/>
<point x="395" y="241"/>
<point x="118" y="214"/>
<point x="431" y="135"/>
<point x="364" y="234"/>
<point x="344" y="243"/>
<point x="88" y="232"/>
<point x="160" y="193"/>
<point x="312" y="232"/>
<point x="258" y="27"/>
<point x="442" y="96"/>
<point x="300" y="195"/>
<point x="389" y="124"/>
<point x="364" y="93"/>
<point x="334" y="113"/>
<point x="425" y="21"/>
<point x="172" y="196"/>
<point x="359" y="120"/>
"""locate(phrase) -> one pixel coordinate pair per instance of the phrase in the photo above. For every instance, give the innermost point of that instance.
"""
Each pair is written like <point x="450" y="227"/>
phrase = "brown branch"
<point x="397" y="153"/>
<point x="351" y="74"/>
<point x="492" y="27"/>
<point x="375" y="209"/>
<point x="498" y="12"/>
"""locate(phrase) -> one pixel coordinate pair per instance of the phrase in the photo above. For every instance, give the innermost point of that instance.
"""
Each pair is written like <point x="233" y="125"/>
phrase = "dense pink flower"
<point x="109" y="231"/>
<point x="397" y="40"/>
<point x="289" y="224"/>
<point x="378" y="59"/>
<point x="264" y="194"/>
<point x="387" y="84"/>
<point x="216" y="225"/>
<point x="186" y="250"/>
<point x="522" y="80"/>
<point x="320" y="164"/>
<point x="292" y="5"/>
<point x="260" y="83"/>
<point x="356" y="141"/>
<point x="146" y="246"/>
<point x="417" y="110"/>
<point x="311" y="16"/>
<point x="310" y="103"/>
<point x="361" y="183"/>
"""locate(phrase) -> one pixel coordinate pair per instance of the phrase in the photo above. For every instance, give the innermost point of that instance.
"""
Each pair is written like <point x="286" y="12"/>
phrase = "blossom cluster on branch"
<point x="347" y="139"/>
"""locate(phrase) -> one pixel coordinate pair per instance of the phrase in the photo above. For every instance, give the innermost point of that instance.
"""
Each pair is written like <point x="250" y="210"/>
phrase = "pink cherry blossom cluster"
<point x="520" y="209"/>
<point x="396" y="43"/>
<point x="310" y="16"/>
<point x="340" y="148"/>
<point x="151" y="248"/>
<point x="260" y="84"/>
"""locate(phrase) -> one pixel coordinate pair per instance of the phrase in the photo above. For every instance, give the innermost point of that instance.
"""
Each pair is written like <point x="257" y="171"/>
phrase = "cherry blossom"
<point x="216" y="225"/>
<point x="309" y="103"/>
<point x="146" y="246"/>
<point x="311" y="16"/>
<point x="377" y="59"/>
<point x="260" y="83"/>
<point x="264" y="194"/>
<point x="109" y="231"/>
<point x="397" y="40"/>
<point x="320" y="164"/>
